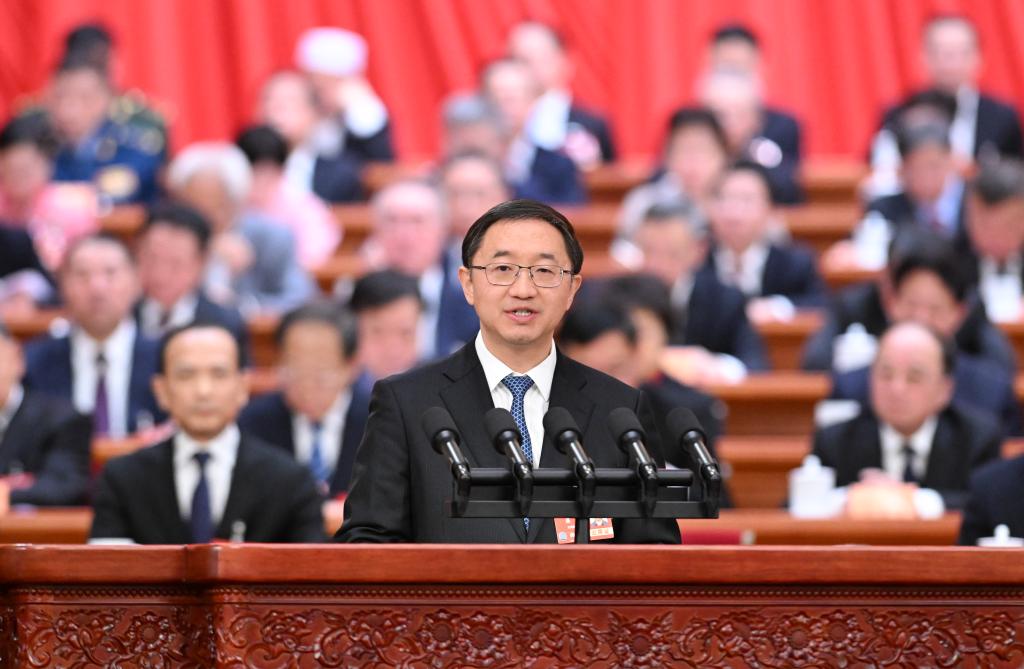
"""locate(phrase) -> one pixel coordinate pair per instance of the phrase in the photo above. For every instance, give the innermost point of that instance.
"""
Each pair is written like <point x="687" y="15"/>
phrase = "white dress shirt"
<point x="893" y="460"/>
<point x="118" y="351"/>
<point x="223" y="450"/>
<point x="1001" y="291"/>
<point x="331" y="428"/>
<point x="535" y="403"/>
<point x="963" y="130"/>
<point x="182" y="312"/>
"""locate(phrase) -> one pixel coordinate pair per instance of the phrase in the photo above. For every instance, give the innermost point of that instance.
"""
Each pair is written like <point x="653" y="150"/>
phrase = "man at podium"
<point x="521" y="270"/>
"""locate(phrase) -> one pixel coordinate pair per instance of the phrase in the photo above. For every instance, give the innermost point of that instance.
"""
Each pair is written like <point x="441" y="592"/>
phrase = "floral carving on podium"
<point x="337" y="636"/>
<point x="117" y="637"/>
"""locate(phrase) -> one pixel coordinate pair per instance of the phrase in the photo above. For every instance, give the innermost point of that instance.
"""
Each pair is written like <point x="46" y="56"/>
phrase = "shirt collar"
<point x="334" y="415"/>
<point x="222" y="448"/>
<point x="118" y="345"/>
<point x="920" y="441"/>
<point x="495" y="370"/>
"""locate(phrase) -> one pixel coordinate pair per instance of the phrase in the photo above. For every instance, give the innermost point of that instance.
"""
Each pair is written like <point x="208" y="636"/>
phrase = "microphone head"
<point x="680" y="421"/>
<point x="436" y="420"/>
<point x="558" y="421"/>
<point x="623" y="420"/>
<point x="498" y="421"/>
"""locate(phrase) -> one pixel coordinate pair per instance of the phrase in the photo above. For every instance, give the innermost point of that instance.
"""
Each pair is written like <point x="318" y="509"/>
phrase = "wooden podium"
<point x="509" y="606"/>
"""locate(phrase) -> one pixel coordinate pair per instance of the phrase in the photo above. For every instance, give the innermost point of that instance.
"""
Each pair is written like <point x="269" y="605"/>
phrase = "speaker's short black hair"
<point x="327" y="313"/>
<point x="593" y="317"/>
<point x="381" y="288"/>
<point x="263" y="144"/>
<point x="735" y="31"/>
<point x="930" y="253"/>
<point x="523" y="210"/>
<point x="170" y="335"/>
<point x="182" y="217"/>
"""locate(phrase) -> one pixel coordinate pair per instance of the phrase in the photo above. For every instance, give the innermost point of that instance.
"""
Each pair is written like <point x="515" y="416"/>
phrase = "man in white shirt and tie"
<point x="207" y="482"/>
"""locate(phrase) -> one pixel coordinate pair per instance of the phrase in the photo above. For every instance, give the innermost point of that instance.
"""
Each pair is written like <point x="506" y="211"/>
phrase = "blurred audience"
<point x="388" y="308"/>
<point x="993" y="499"/>
<point x="533" y="171"/>
<point x="557" y="122"/>
<point x="911" y="431"/>
<point x="208" y="481"/>
<point x="708" y="318"/>
<point x="317" y="232"/>
<point x="253" y="263"/>
<point x="44" y="442"/>
<point x="171" y="251"/>
<point x="102" y="364"/>
<point x="321" y="410"/>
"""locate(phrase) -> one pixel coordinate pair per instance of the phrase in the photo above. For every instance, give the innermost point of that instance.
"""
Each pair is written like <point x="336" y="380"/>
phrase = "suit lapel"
<point x="242" y="495"/>
<point x="942" y="460"/>
<point x="467" y="399"/>
<point x="19" y="434"/>
<point x="355" y="425"/>
<point x="566" y="392"/>
<point x="165" y="498"/>
<point x="62" y="372"/>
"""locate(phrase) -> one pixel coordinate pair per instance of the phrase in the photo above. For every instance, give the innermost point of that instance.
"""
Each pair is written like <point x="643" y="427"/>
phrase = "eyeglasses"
<point x="505" y="274"/>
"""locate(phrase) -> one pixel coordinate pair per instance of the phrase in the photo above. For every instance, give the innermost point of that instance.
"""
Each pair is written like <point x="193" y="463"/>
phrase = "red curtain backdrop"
<point x="834" y="63"/>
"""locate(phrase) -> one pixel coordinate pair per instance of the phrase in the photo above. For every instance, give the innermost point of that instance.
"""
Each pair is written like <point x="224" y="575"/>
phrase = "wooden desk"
<point x="785" y="340"/>
<point x="821" y="225"/>
<point x="773" y="403"/>
<point x="455" y="606"/>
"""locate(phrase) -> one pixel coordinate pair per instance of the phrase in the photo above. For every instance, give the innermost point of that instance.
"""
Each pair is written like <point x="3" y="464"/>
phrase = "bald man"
<point x="911" y="430"/>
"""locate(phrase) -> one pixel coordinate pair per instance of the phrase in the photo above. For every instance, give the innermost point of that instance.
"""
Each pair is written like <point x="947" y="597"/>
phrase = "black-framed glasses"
<point x="506" y="273"/>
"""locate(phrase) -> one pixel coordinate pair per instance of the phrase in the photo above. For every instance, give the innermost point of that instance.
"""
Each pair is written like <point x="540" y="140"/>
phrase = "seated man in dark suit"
<point x="932" y="195"/>
<point x="772" y="141"/>
<point x="995" y="227"/>
<point x="319" y="415"/>
<point x="533" y="171"/>
<point x="171" y="250"/>
<point x="776" y="278"/>
<point x="558" y="122"/>
<point x="983" y="127"/>
<point x="207" y="481"/>
<point x="387" y="307"/>
<point x="44" y="442"/>
<point x="103" y="364"/>
<point x="709" y="318"/>
<point x="599" y="331"/>
<point x="925" y="282"/>
<point x="399" y="484"/>
<point x="23" y="279"/>
<point x="912" y="431"/>
<point x="994" y="499"/>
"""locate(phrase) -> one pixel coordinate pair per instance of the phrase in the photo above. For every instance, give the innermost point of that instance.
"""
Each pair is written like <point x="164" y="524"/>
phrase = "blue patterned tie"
<point x="316" y="457"/>
<point x="201" y="519"/>
<point x="518" y="385"/>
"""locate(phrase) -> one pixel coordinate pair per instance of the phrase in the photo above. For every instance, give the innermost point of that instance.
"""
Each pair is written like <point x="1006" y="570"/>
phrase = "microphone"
<point x="440" y="428"/>
<point x="505" y="436"/>
<point x="685" y="428"/>
<point x="565" y="435"/>
<point x="629" y="435"/>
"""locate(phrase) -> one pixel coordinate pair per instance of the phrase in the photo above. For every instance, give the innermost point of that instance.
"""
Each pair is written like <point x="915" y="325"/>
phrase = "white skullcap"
<point x="333" y="51"/>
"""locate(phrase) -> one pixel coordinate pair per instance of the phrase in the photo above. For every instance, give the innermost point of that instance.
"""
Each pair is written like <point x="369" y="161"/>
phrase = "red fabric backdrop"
<point x="835" y="63"/>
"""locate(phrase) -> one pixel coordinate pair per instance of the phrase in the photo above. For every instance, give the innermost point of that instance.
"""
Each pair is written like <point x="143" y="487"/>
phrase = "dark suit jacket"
<point x="269" y="418"/>
<point x="667" y="394"/>
<point x="977" y="384"/>
<point x="963" y="441"/>
<point x="901" y="211"/>
<point x="48" y="370"/>
<point x="784" y="130"/>
<point x="272" y="494"/>
<point x="399" y="483"/>
<point x="17" y="253"/>
<point x="994" y="498"/>
<point x="338" y="177"/>
<point x="790" y="271"/>
<point x="716" y="318"/>
<point x="596" y="126"/>
<point x="553" y="179"/>
<point x="50" y="440"/>
<point x="862" y="303"/>
<point x="208" y="311"/>
<point x="457" y="322"/>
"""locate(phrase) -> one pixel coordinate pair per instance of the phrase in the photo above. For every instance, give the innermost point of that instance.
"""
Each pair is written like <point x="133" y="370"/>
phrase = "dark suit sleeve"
<point x="64" y="476"/>
<point x="987" y="449"/>
<point x="648" y="530"/>
<point x="977" y="521"/>
<point x="306" y="524"/>
<point x="377" y="508"/>
<point x="110" y="518"/>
